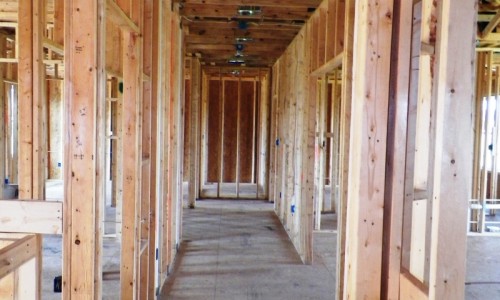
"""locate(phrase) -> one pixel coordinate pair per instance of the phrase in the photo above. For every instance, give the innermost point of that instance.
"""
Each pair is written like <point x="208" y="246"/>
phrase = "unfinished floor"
<point x="239" y="250"/>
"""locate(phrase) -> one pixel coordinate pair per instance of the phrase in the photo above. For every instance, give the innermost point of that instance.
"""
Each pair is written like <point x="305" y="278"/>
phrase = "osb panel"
<point x="246" y="130"/>
<point x="230" y="130"/>
<point x="214" y="132"/>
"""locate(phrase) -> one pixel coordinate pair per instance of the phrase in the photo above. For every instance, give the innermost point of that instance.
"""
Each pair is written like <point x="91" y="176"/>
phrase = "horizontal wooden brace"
<point x="119" y="17"/>
<point x="53" y="46"/>
<point x="53" y="61"/>
<point x="8" y="60"/>
<point x="412" y="288"/>
<point x="8" y="24"/>
<point x="44" y="217"/>
<point x="328" y="67"/>
<point x="491" y="25"/>
<point x="17" y="254"/>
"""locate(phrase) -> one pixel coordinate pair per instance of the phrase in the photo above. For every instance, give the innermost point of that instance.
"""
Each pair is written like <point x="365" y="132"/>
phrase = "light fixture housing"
<point x="248" y="11"/>
<point x="236" y="61"/>
<point x="243" y="39"/>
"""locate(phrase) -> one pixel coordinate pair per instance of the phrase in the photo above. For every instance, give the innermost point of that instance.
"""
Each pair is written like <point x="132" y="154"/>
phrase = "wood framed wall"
<point x="234" y="146"/>
<point x="298" y="147"/>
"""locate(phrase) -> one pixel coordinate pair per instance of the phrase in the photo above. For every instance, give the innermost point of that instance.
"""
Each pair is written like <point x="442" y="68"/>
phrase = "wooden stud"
<point x="82" y="265"/>
<point x="478" y="125"/>
<point x="165" y="165"/>
<point x="17" y="254"/>
<point x="132" y="171"/>
<point x="273" y="147"/>
<point x="59" y="22"/>
<point x="178" y="126"/>
<point x="221" y="114"/>
<point x="345" y="147"/>
<point x="320" y="162"/>
<point x="238" y="144"/>
<point x="398" y="112"/>
<point x="4" y="139"/>
<point x="331" y="37"/>
<point x="306" y="91"/>
<point x="152" y="17"/>
<point x="265" y="137"/>
<point x="194" y="142"/>
<point x="25" y="107"/>
<point x="204" y="132"/>
<point x="453" y="93"/>
<point x="322" y="15"/>
<point x="254" y="132"/>
<point x="39" y="103"/>
<point x="371" y="71"/>
<point x="484" y="170"/>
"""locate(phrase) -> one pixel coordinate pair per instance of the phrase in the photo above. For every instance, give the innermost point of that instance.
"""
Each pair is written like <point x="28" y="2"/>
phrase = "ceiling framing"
<point x="212" y="27"/>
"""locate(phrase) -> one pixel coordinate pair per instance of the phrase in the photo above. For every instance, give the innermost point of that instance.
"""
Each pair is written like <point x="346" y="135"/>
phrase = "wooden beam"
<point x="411" y="288"/>
<point x="177" y="85"/>
<point x="31" y="216"/>
<point x="40" y="132"/>
<point x="491" y="25"/>
<point x="116" y="15"/>
<point x="13" y="256"/>
<point x="129" y="274"/>
<point x="371" y="71"/>
<point x="306" y="92"/>
<point x="285" y="3"/>
<point x="329" y="66"/>
<point x="194" y="143"/>
<point x="230" y="10"/>
<point x="154" y="7"/>
<point x="25" y="92"/>
<point x="84" y="85"/>
<point x="30" y="89"/>
<point x="345" y="147"/>
<point x="397" y="137"/>
<point x="265" y="136"/>
<point x="59" y="22"/>
<point x="238" y="143"/>
<point x="453" y="93"/>
<point x="4" y="104"/>
<point x="53" y="46"/>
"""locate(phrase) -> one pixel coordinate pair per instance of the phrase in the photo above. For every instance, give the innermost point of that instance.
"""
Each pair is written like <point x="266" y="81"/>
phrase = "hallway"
<point x="239" y="250"/>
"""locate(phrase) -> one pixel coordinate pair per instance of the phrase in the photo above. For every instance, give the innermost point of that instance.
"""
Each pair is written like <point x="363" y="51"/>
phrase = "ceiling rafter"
<point x="213" y="26"/>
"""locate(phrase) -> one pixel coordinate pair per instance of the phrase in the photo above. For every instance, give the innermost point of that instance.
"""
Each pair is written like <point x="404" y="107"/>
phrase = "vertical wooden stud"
<point x="398" y="112"/>
<point x="371" y="70"/>
<point x="345" y="134"/>
<point x="194" y="142"/>
<point x="453" y="92"/>
<point x="129" y="275"/>
<point x="84" y="152"/>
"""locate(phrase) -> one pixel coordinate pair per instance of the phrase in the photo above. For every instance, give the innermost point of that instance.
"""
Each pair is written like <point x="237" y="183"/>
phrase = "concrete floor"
<point x="483" y="268"/>
<point x="239" y="250"/>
